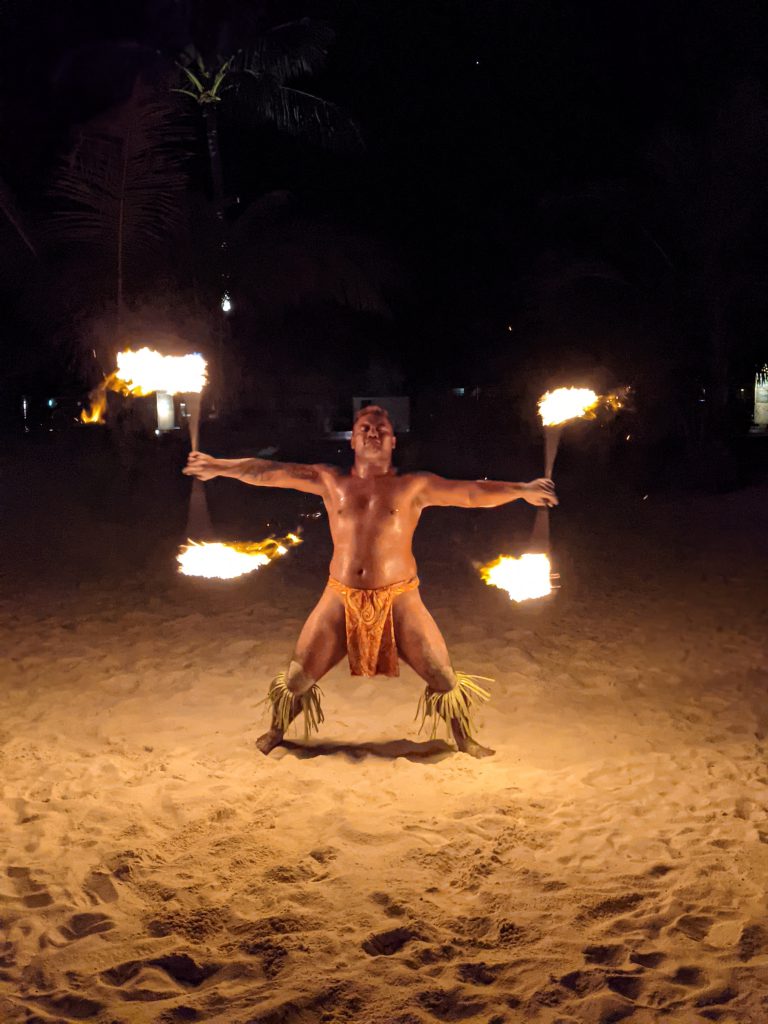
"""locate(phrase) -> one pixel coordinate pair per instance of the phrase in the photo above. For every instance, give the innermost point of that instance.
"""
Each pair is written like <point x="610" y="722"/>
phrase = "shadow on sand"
<point x="431" y="751"/>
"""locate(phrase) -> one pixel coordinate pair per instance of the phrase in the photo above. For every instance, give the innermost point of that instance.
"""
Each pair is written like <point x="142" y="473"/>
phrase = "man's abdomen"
<point x="369" y="558"/>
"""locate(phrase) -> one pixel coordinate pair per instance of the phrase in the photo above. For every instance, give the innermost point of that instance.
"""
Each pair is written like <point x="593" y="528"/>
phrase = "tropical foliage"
<point x="11" y="212"/>
<point x="122" y="184"/>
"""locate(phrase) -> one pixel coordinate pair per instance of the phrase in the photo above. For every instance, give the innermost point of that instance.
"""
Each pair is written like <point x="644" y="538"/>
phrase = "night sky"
<point x="508" y="145"/>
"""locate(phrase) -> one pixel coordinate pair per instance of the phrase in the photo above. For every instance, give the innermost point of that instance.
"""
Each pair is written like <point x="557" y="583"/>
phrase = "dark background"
<point x="545" y="194"/>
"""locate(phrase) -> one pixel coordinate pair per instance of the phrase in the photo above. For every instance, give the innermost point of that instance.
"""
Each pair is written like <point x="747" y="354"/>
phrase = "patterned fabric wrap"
<point x="371" y="646"/>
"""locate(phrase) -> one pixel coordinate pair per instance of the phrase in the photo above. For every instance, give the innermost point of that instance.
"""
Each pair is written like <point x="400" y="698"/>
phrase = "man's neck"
<point x="368" y="468"/>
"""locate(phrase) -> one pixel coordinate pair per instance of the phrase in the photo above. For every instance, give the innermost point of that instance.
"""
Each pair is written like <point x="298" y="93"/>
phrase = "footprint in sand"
<point x="647" y="959"/>
<point x="81" y="925"/>
<point x="448" y="1005"/>
<point x="695" y="926"/>
<point x="179" y="1015"/>
<point x="179" y="967"/>
<point x="606" y="955"/>
<point x="717" y="996"/>
<point x="753" y="941"/>
<point x="69" y="1006"/>
<point x="100" y="888"/>
<point x="628" y="985"/>
<point x="324" y="854"/>
<point x="32" y="894"/>
<point x="389" y="942"/>
<point x="692" y="977"/>
<point x="478" y="973"/>
<point x="659" y="870"/>
<point x="390" y="908"/>
<point x="615" y="906"/>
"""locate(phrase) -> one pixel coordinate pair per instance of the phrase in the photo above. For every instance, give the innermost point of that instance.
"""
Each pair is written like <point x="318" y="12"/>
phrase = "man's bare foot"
<point x="474" y="749"/>
<point x="469" y="746"/>
<point x="267" y="743"/>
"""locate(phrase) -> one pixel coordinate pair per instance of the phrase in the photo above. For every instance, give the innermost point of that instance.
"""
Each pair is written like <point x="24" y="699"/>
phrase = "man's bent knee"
<point x="297" y="680"/>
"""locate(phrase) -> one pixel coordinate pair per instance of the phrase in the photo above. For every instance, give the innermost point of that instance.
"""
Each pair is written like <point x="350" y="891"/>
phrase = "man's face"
<point x="373" y="437"/>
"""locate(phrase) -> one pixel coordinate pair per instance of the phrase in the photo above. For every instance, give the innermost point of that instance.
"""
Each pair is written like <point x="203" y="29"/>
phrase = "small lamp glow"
<point x="226" y="303"/>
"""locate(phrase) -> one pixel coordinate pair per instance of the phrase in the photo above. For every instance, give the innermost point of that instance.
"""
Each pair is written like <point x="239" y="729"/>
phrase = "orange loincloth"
<point x="370" y="626"/>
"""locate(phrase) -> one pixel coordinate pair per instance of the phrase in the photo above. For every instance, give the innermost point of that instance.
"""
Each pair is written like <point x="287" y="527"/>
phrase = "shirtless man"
<point x="371" y="608"/>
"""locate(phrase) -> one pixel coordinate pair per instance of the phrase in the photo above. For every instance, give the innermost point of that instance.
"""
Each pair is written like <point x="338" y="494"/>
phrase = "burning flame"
<point x="98" y="399"/>
<point x="145" y="372"/>
<point x="524" y="578"/>
<point x="563" y="404"/>
<point x="217" y="561"/>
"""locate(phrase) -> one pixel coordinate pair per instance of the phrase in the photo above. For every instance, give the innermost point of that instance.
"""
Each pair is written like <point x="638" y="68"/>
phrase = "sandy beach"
<point x="608" y="864"/>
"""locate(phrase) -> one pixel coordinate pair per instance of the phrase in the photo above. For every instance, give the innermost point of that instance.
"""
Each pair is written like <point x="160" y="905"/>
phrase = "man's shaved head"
<point x="367" y="410"/>
<point x="373" y="436"/>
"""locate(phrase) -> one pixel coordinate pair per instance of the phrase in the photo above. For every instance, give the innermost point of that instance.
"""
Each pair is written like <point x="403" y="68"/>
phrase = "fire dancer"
<point x="371" y="608"/>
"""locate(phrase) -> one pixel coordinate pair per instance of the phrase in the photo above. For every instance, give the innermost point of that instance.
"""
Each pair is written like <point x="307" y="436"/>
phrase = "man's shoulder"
<point x="416" y="478"/>
<point x="421" y="476"/>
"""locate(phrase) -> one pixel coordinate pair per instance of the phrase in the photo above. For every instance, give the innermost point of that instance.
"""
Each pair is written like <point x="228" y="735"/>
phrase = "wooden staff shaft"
<point x="199" y="519"/>
<point x="540" y="535"/>
<point x="551" y="444"/>
<point x="193" y="404"/>
<point x="540" y="532"/>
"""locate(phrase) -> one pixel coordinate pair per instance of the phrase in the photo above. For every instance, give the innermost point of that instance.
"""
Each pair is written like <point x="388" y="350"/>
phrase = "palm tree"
<point x="123" y="183"/>
<point x="11" y="212"/>
<point x="256" y="85"/>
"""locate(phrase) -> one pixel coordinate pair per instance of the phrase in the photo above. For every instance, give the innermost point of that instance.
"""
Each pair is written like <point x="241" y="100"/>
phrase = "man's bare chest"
<point x="374" y="502"/>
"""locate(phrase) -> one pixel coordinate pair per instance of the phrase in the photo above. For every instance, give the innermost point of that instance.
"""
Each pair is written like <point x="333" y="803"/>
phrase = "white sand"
<point x="610" y="863"/>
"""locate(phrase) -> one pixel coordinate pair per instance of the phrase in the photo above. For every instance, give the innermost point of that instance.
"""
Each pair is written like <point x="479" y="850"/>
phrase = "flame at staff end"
<point x="524" y="579"/>
<point x="219" y="561"/>
<point x="146" y="371"/>
<point x="563" y="404"/>
<point x="555" y="407"/>
<point x="143" y="372"/>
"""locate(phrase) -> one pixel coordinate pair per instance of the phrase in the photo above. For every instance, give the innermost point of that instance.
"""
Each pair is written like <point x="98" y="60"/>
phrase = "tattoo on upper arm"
<point x="293" y="470"/>
<point x="303" y="472"/>
<point x="296" y="470"/>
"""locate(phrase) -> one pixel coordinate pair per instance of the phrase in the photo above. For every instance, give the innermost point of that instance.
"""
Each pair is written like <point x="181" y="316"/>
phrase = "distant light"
<point x="226" y="303"/>
<point x="459" y="392"/>
<point x="509" y="327"/>
<point x="52" y="403"/>
<point x="477" y="62"/>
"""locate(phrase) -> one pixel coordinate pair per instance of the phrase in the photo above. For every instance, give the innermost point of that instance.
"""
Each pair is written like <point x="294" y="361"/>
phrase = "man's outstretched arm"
<point x="437" y="490"/>
<point x="311" y="479"/>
